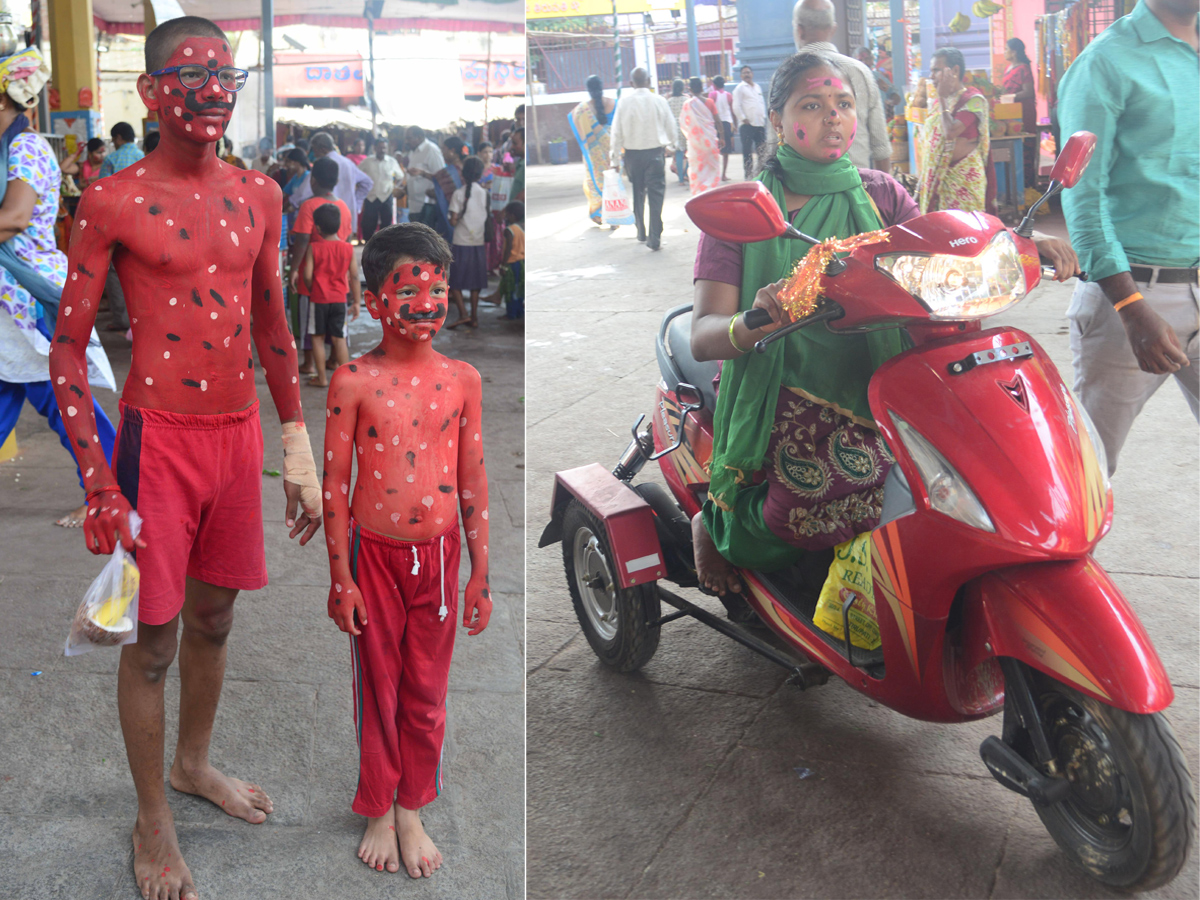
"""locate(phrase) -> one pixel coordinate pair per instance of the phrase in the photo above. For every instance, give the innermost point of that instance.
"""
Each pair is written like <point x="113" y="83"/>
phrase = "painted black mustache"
<point x="409" y="315"/>
<point x="189" y="101"/>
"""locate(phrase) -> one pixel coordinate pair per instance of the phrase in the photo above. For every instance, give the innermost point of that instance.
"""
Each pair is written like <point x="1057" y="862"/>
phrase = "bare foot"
<point x="240" y="799"/>
<point x="157" y="865"/>
<point x="712" y="569"/>
<point x="316" y="382"/>
<point x="379" y="848"/>
<point x="73" y="519"/>
<point x="421" y="857"/>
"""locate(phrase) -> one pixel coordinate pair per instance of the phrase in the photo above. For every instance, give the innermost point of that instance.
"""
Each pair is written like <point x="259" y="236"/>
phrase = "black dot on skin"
<point x="335" y="556"/>
<point x="445" y="425"/>
<point x="379" y="393"/>
<point x="228" y="203"/>
<point x="337" y="601"/>
<point x="415" y="423"/>
<point x="408" y="396"/>
<point x="469" y="512"/>
<point x="392" y="491"/>
<point x="416" y="271"/>
<point x="250" y="363"/>
<point x="239" y="330"/>
<point x="411" y="457"/>
<point x="212" y="63"/>
<point x="484" y="594"/>
<point x="385" y="302"/>
<point x="413" y="521"/>
<point x="337" y="410"/>
<point x="190" y="383"/>
<point x="279" y="350"/>
<point x="329" y="515"/>
<point x="445" y="488"/>
<point x="206" y="345"/>
<point x="437" y="270"/>
<point x="65" y="340"/>
<point x="187" y="117"/>
<point x="353" y="367"/>
<point x="395" y="278"/>
<point x="243" y="179"/>
<point x="154" y="210"/>
<point x="439" y="387"/>
<point x="267" y="296"/>
<point x="395" y="381"/>
<point x="251" y="212"/>
<point x="196" y="297"/>
<point x="183" y="234"/>
<point x="371" y="432"/>
<point x="220" y="300"/>
<point x="224" y="46"/>
<point x="172" y="337"/>
<point x="81" y="442"/>
<point x="76" y="391"/>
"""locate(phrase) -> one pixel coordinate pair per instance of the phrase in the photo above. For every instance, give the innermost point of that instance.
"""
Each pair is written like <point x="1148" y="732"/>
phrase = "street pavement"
<point x="67" y="802"/>
<point x="681" y="780"/>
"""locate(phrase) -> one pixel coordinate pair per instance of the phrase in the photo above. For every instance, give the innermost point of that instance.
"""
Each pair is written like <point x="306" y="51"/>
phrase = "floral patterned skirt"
<point x="825" y="474"/>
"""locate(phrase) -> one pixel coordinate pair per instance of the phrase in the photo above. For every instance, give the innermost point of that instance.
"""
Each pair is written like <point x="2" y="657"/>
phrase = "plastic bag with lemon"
<point x="107" y="617"/>
<point x="850" y="576"/>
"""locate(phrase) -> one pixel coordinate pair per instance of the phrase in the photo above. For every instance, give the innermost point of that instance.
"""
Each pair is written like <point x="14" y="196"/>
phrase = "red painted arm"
<point x="338" y="458"/>
<point x="473" y="501"/>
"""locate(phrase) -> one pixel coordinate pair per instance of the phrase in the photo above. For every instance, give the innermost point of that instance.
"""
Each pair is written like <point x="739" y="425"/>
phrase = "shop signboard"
<point x="318" y="75"/>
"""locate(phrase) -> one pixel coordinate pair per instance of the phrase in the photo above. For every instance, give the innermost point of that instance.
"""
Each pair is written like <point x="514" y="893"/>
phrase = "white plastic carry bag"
<point x="617" y="210"/>
<point x="108" y="615"/>
<point x="501" y="192"/>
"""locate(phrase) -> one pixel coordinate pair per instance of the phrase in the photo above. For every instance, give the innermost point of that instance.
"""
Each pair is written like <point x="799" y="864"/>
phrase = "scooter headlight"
<point x="958" y="287"/>
<point x="948" y="492"/>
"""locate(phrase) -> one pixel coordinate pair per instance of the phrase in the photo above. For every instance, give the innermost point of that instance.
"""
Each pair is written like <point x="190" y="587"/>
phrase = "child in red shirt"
<point x="329" y="272"/>
<point x="411" y="418"/>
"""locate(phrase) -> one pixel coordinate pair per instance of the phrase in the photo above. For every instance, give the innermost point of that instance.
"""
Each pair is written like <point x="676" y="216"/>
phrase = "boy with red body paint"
<point x="194" y="243"/>
<point x="412" y="418"/>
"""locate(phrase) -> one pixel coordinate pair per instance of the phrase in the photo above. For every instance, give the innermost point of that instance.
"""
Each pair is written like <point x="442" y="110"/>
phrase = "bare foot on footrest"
<point x="713" y="571"/>
<point x="239" y="799"/>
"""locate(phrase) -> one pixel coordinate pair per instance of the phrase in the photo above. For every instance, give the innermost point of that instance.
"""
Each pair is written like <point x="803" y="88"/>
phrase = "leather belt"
<point x="1165" y="276"/>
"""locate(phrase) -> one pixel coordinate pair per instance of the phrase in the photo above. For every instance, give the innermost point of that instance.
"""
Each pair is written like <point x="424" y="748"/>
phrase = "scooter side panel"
<point x="1010" y="429"/>
<point x="1069" y="620"/>
<point x="627" y="518"/>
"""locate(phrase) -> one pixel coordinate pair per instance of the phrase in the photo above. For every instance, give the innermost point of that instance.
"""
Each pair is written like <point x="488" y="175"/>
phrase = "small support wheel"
<point x="614" y="619"/>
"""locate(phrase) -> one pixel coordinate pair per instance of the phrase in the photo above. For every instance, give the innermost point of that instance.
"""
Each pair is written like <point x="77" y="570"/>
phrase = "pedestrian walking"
<point x="749" y="113"/>
<point x="423" y="162"/>
<point x="699" y="122"/>
<point x="724" y="101"/>
<point x="352" y="184"/>
<point x="468" y="212"/>
<point x="644" y="129"/>
<point x="1134" y="217"/>
<point x="591" y="122"/>
<point x="676" y="101"/>
<point x="386" y="179"/>
<point x="813" y="28"/>
<point x="329" y="273"/>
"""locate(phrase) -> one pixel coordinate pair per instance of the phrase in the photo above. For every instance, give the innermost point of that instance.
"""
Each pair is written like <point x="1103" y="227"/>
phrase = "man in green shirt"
<point x="1134" y="217"/>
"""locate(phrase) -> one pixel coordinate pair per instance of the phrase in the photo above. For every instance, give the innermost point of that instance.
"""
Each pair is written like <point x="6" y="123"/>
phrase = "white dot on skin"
<point x="74" y="276"/>
<point x="203" y="385"/>
<point x="66" y="310"/>
<point x="293" y="379"/>
<point x="196" y="196"/>
<point x="88" y="473"/>
<point x="379" y="506"/>
<point x="173" y="301"/>
<point x="187" y="51"/>
<point x="484" y="514"/>
<point x="423" y="445"/>
<point x="211" y="54"/>
<point x="61" y="380"/>
<point x="71" y="410"/>
<point x="427" y="502"/>
<point x="476" y="437"/>
<point x="395" y="438"/>
<point x="189" y="128"/>
<point x="212" y="269"/>
<point x="377" y="474"/>
<point x="345" y="488"/>
<point x="178" y="111"/>
<point x="241" y="376"/>
<point x="374" y="373"/>
<point x="223" y="223"/>
<point x="379" y="447"/>
<point x="99" y="187"/>
<point x="391" y="403"/>
<point x="211" y="131"/>
<point x="82" y="224"/>
<point x="425" y="277"/>
<point x="166" y="354"/>
<point x="415" y="381"/>
<point x="433" y="406"/>
<point x="329" y="454"/>
<point x="170" y="222"/>
<point x="328" y="496"/>
<point x="213" y="315"/>
<point x="149" y="380"/>
<point x="259" y="181"/>
<point x="338" y="588"/>
<point x="233" y="237"/>
<point x="410" y="479"/>
<point x="139" y="199"/>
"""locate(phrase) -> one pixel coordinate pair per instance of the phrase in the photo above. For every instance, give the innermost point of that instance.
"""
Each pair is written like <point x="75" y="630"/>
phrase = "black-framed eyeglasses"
<point x="194" y="77"/>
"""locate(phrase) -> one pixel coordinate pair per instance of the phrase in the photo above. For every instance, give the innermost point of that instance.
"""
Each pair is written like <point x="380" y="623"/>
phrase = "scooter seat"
<point x="679" y="364"/>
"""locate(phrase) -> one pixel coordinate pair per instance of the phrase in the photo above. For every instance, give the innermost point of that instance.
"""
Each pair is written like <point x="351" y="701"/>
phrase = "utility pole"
<point x="693" y="41"/>
<point x="268" y="38"/>
<point x="617" y="50"/>
<point x="721" y="32"/>
<point x="487" y="87"/>
<point x="372" y="10"/>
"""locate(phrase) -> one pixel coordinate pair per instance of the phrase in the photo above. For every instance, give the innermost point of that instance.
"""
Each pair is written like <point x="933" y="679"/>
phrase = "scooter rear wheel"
<point x="614" y="619"/>
<point x="1130" y="818"/>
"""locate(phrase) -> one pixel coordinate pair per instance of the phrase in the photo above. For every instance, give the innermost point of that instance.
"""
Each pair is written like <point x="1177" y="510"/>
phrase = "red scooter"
<point x="986" y="592"/>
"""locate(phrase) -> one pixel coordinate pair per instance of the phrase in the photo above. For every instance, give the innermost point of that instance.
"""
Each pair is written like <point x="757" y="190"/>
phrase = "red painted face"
<point x="412" y="300"/>
<point x="197" y="114"/>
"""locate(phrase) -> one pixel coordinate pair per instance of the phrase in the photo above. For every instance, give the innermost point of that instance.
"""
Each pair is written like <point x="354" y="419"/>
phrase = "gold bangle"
<point x="1131" y="299"/>
<point x="733" y="321"/>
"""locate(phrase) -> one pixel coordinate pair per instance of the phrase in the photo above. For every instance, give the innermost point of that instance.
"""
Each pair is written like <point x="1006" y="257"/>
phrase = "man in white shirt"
<point x="352" y="184"/>
<point x="813" y="27"/>
<point x="724" y="101"/>
<point x="263" y="162"/>
<point x="424" y="160"/>
<point x="750" y="115"/>
<point x="386" y="177"/>
<point x="645" y="129"/>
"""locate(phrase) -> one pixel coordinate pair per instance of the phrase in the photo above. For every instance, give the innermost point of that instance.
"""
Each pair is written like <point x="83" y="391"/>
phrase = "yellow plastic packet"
<point x="850" y="576"/>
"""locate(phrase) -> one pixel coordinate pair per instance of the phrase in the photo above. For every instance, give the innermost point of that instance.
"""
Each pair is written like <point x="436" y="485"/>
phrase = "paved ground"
<point x="66" y="798"/>
<point x="680" y="781"/>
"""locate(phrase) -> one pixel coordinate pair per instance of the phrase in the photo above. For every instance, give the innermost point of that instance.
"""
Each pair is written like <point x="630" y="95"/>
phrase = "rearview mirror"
<point x="743" y="212"/>
<point x="1069" y="166"/>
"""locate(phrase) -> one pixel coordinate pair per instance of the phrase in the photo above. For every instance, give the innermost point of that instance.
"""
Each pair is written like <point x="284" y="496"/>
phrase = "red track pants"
<point x="402" y="665"/>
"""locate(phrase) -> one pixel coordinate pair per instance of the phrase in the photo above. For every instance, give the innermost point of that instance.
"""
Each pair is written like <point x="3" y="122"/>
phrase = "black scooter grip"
<point x="757" y="318"/>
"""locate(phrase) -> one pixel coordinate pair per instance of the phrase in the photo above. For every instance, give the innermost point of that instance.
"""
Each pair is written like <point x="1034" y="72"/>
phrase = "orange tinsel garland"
<point x="799" y="296"/>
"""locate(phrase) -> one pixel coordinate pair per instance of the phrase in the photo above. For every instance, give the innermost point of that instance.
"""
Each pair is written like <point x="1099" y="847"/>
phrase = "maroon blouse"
<point x="722" y="261"/>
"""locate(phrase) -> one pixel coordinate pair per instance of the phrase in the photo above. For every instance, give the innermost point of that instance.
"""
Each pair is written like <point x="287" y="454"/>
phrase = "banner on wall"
<point x="317" y="75"/>
<point x="506" y="76"/>
<point x="558" y="9"/>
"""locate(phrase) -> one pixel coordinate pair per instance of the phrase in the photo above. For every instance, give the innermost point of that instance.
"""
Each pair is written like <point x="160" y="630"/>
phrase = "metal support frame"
<point x="268" y="70"/>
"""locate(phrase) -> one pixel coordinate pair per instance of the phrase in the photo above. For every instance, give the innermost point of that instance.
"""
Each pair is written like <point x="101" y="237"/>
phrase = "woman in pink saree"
<point x="699" y="123"/>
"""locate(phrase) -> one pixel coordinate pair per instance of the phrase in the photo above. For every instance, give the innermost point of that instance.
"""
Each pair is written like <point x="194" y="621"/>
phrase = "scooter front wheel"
<point x="1130" y="818"/>
<point x="614" y="619"/>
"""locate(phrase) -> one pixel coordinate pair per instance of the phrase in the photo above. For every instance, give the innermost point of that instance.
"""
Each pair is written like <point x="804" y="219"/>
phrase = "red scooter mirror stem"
<point x="1025" y="229"/>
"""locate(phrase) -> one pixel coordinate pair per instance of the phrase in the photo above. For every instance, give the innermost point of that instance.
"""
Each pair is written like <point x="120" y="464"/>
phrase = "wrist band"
<point x="733" y="321"/>
<point x="94" y="492"/>
<point x="299" y="467"/>
<point x="1131" y="299"/>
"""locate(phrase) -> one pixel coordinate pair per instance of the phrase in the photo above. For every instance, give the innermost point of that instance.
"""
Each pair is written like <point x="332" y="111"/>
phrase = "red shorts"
<point x="196" y="481"/>
<point x="402" y="665"/>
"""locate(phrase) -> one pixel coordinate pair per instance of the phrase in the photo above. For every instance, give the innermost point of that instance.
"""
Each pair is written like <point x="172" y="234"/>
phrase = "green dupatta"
<point x="830" y="369"/>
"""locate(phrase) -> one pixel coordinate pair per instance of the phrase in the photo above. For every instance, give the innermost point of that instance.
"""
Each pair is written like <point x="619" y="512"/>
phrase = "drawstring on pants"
<point x="416" y="563"/>
<point x="442" y="611"/>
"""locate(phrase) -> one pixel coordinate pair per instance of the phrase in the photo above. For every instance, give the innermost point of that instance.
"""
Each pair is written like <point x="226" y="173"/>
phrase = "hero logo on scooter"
<point x="987" y="596"/>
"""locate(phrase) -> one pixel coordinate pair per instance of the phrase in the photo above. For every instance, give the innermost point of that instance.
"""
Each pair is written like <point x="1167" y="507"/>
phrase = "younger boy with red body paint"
<point x="193" y="241"/>
<point x="412" y="418"/>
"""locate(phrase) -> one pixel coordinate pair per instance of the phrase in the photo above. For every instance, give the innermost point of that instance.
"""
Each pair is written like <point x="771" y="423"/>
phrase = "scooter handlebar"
<point x="757" y="318"/>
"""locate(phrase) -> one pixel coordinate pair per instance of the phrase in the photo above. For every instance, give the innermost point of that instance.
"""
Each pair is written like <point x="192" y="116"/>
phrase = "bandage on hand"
<point x="300" y="469"/>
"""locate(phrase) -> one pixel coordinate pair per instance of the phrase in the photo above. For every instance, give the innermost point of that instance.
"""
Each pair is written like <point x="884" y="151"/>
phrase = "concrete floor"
<point x="680" y="781"/>
<point x="66" y="798"/>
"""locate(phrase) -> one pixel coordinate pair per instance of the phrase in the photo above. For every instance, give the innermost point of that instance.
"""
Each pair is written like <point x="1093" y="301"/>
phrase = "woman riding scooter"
<point x="799" y="411"/>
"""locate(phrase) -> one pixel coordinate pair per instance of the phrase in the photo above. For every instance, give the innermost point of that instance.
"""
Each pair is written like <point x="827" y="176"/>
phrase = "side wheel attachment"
<point x="1130" y="817"/>
<point x="613" y="618"/>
